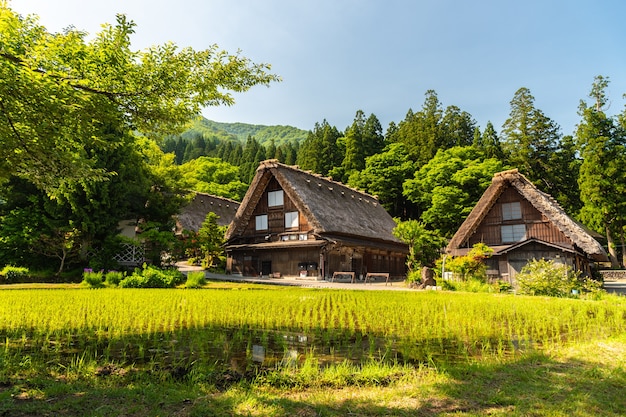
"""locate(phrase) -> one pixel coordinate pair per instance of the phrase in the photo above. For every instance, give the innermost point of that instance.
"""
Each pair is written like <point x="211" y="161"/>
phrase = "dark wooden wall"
<point x="537" y="225"/>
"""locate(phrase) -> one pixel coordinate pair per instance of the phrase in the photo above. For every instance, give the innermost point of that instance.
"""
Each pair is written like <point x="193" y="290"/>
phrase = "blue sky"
<point x="339" y="56"/>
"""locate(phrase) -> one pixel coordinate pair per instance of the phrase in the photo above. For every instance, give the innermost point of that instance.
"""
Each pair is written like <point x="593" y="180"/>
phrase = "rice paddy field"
<point x="296" y="351"/>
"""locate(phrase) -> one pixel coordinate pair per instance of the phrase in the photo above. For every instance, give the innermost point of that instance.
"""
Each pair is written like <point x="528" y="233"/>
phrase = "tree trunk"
<point x="621" y="235"/>
<point x="612" y="252"/>
<point x="62" y="259"/>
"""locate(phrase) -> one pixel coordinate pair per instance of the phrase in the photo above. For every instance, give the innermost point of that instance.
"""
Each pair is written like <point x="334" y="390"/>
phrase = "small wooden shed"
<point x="521" y="223"/>
<point x="295" y="223"/>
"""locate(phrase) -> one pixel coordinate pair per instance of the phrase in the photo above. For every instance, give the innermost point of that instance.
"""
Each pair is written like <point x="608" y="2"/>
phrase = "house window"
<point x="511" y="211"/>
<point x="513" y="233"/>
<point x="275" y="198"/>
<point x="291" y="219"/>
<point x="261" y="222"/>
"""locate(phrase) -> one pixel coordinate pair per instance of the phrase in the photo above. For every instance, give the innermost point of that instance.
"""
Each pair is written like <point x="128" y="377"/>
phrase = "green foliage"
<point x="66" y="92"/>
<point x="159" y="241"/>
<point x="383" y="176"/>
<point x="211" y="240"/>
<point x="213" y="176"/>
<point x="425" y="132"/>
<point x="448" y="187"/>
<point x="530" y="138"/>
<point x="152" y="277"/>
<point x="424" y="245"/>
<point x="263" y="134"/>
<point x="195" y="279"/>
<point x="413" y="276"/>
<point x="469" y="285"/>
<point x="93" y="279"/>
<point x="602" y="178"/>
<point x="10" y="274"/>
<point x="322" y="150"/>
<point x="472" y="265"/>
<point x="113" y="278"/>
<point x="542" y="277"/>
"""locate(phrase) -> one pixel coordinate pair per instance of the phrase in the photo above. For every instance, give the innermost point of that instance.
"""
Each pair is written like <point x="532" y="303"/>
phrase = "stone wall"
<point x="613" y="274"/>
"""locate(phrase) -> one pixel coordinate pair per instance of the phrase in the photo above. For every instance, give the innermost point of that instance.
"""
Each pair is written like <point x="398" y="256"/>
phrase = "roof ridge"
<point x="274" y="163"/>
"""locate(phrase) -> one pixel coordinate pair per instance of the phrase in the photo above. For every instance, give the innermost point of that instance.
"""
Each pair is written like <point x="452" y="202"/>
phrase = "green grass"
<point x="110" y="352"/>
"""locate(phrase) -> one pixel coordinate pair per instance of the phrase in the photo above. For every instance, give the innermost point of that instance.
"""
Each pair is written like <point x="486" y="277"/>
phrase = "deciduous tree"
<point x="449" y="186"/>
<point x="63" y="92"/>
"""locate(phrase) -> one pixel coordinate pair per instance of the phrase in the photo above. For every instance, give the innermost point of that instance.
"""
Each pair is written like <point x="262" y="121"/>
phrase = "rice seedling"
<point x="216" y="326"/>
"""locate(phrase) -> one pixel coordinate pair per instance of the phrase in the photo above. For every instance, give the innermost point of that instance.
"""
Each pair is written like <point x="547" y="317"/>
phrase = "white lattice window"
<point x="275" y="198"/>
<point x="261" y="222"/>
<point x="291" y="220"/>
<point x="511" y="211"/>
<point x="513" y="233"/>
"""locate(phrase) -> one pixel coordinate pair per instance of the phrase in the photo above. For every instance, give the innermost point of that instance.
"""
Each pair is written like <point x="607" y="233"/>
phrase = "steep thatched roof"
<point x="541" y="201"/>
<point x="331" y="208"/>
<point x="193" y="214"/>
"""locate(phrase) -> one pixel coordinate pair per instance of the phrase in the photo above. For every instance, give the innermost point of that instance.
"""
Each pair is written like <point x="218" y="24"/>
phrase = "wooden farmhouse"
<point x="521" y="223"/>
<point x="294" y="223"/>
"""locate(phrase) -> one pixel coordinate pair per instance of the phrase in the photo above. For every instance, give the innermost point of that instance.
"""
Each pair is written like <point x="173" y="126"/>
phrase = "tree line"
<point x="434" y="165"/>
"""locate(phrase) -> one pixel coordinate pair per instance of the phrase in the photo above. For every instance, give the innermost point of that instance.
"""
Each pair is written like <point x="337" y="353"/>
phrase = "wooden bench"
<point x="343" y="274"/>
<point x="370" y="275"/>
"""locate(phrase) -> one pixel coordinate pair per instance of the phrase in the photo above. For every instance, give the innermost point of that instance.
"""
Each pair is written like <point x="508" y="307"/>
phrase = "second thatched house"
<point x="521" y="223"/>
<point x="294" y="223"/>
<point x="193" y="213"/>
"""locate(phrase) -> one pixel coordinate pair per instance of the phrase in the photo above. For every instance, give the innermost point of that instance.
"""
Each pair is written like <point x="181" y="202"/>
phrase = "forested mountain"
<point x="263" y="134"/>
<point x="226" y="141"/>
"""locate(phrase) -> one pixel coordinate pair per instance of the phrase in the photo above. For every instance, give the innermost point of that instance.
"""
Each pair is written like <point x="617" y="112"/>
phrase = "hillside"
<point x="241" y="131"/>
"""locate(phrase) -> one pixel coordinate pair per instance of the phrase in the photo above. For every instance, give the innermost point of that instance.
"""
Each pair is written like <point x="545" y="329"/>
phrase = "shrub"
<point x="469" y="285"/>
<point x="153" y="277"/>
<point x="195" y="279"/>
<point x="92" y="279"/>
<point x="541" y="277"/>
<point x="113" y="278"/>
<point x="134" y="281"/>
<point x="13" y="273"/>
<point x="413" y="277"/>
<point x="471" y="266"/>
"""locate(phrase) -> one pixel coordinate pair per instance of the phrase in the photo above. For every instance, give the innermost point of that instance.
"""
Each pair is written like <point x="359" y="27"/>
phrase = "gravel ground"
<point x="309" y="283"/>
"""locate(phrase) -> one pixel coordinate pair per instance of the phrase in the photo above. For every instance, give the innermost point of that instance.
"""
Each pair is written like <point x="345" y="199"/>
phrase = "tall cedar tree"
<point x="530" y="140"/>
<point x="320" y="152"/>
<point x="602" y="177"/>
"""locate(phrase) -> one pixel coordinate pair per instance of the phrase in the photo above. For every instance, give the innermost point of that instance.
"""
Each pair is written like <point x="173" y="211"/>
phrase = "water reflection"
<point x="243" y="350"/>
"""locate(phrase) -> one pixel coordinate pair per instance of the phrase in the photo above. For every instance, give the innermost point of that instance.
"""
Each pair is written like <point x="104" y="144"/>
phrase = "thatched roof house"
<point x="192" y="215"/>
<point x="520" y="223"/>
<point x="294" y="222"/>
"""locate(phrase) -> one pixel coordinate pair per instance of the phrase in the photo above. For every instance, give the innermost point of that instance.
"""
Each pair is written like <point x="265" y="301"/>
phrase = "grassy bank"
<point x="328" y="353"/>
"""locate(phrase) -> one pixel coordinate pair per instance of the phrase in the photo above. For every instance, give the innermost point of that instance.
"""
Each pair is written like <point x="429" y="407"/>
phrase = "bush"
<point x="469" y="285"/>
<point x="541" y="277"/>
<point x="12" y="274"/>
<point x="153" y="277"/>
<point x="195" y="279"/>
<point x="92" y="279"/>
<point x="472" y="265"/>
<point x="414" y="277"/>
<point x="113" y="278"/>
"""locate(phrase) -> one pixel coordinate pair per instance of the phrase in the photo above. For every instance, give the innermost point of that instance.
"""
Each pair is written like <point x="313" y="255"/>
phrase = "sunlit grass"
<point x="420" y="353"/>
